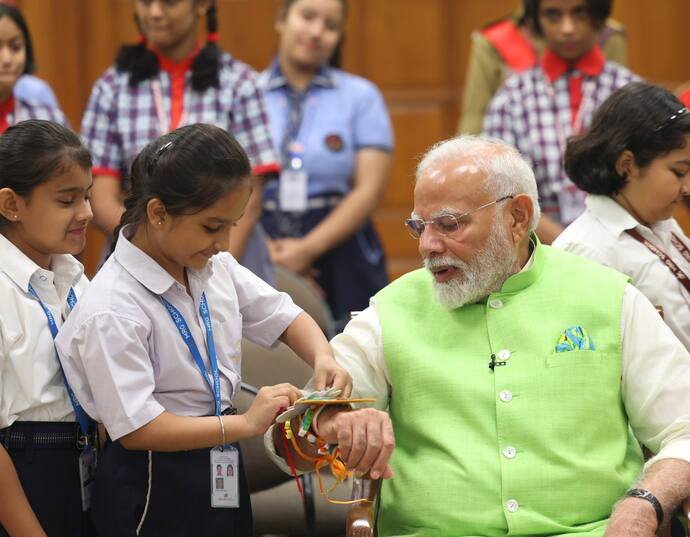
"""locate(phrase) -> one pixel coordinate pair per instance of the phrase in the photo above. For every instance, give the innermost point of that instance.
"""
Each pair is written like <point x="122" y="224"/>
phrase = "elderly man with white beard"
<point x="520" y="380"/>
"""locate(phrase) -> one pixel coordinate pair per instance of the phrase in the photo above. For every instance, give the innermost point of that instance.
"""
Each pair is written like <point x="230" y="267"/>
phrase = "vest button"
<point x="496" y="303"/>
<point x="506" y="396"/>
<point x="503" y="355"/>
<point x="512" y="506"/>
<point x="509" y="452"/>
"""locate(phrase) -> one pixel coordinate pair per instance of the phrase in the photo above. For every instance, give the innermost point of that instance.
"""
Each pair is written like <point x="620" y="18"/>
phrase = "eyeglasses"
<point x="674" y="116"/>
<point x="446" y="224"/>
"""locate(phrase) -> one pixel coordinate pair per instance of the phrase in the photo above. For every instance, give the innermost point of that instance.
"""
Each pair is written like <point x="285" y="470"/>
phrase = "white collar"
<point x="20" y="268"/>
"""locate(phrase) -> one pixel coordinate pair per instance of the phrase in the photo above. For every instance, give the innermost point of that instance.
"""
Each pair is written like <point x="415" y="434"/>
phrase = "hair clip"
<point x="679" y="113"/>
<point x="154" y="161"/>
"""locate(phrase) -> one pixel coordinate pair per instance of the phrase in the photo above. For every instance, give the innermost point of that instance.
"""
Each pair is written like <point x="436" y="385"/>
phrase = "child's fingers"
<point x="320" y="379"/>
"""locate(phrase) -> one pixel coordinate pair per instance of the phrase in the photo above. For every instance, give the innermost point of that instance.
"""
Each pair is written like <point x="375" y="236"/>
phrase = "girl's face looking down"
<point x="310" y="31"/>
<point x="190" y="240"/>
<point x="651" y="194"/>
<point x="12" y="56"/>
<point x="53" y="218"/>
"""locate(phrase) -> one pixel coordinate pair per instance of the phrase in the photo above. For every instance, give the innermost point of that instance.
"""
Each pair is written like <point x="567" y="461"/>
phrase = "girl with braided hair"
<point x="166" y="80"/>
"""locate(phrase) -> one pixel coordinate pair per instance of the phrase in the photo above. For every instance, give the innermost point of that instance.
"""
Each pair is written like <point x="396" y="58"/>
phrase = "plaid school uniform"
<point x="120" y="120"/>
<point x="15" y="109"/>
<point x="539" y="109"/>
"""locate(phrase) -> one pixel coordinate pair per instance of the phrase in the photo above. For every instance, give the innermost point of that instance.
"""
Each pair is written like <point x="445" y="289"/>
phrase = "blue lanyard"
<point x="82" y="417"/>
<point x="187" y="337"/>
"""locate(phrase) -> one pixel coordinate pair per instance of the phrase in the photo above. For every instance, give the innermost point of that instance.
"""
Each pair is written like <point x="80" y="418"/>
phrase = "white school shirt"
<point x="31" y="384"/>
<point x="599" y="234"/>
<point x="124" y="356"/>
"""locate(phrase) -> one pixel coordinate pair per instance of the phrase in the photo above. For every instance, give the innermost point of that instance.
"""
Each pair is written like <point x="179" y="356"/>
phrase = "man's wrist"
<point x="326" y="429"/>
<point x="647" y="496"/>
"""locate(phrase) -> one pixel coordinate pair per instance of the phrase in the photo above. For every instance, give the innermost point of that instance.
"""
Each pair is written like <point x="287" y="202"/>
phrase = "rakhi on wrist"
<point x="310" y="407"/>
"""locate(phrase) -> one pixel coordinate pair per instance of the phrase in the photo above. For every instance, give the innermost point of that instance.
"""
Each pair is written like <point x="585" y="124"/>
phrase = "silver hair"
<point x="506" y="170"/>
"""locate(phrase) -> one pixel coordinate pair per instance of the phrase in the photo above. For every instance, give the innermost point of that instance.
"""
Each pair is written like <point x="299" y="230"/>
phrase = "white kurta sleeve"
<point x="656" y="379"/>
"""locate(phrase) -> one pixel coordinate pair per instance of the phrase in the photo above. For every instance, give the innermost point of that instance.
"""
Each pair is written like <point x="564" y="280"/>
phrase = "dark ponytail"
<point x="205" y="67"/>
<point x="188" y="170"/>
<point x="142" y="64"/>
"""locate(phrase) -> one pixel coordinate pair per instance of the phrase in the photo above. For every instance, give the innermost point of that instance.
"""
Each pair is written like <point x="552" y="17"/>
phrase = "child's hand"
<point x="328" y="374"/>
<point x="267" y="405"/>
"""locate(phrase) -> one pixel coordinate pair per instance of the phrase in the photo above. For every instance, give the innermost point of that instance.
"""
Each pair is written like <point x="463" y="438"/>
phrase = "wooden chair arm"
<point x="361" y="518"/>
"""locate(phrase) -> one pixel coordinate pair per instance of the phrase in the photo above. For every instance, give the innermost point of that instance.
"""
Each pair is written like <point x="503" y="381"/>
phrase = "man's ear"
<point x="520" y="212"/>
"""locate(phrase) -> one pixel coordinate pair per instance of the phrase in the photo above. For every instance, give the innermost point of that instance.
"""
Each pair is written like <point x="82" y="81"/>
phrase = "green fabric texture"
<point x="456" y="420"/>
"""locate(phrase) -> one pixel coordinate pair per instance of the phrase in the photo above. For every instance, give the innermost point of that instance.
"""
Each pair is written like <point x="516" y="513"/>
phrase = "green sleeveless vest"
<point x="538" y="445"/>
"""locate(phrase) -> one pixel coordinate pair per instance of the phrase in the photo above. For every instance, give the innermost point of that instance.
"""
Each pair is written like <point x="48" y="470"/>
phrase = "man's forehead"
<point x="449" y="184"/>
<point x="453" y="170"/>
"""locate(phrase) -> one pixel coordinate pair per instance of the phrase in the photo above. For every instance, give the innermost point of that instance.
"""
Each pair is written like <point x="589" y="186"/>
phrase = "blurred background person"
<point x="165" y="81"/>
<point x="539" y="109"/>
<point x="335" y="139"/>
<point x="17" y="60"/>
<point x="30" y="87"/>
<point x="509" y="45"/>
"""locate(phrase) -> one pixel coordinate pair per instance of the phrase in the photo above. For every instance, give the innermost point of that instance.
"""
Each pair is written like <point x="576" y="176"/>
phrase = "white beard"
<point x="483" y="275"/>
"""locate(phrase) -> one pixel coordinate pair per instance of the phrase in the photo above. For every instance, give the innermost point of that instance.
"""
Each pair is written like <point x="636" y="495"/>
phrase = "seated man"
<point x="512" y="372"/>
<point x="539" y="109"/>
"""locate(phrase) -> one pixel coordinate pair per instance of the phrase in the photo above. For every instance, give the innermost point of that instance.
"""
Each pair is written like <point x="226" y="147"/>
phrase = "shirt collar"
<point x="145" y="270"/>
<point x="176" y="68"/>
<point x="325" y="77"/>
<point x="591" y="64"/>
<point x="617" y="219"/>
<point x="20" y="268"/>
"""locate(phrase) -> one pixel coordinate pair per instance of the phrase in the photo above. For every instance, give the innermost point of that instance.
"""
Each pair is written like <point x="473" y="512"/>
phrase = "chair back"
<point x="306" y="297"/>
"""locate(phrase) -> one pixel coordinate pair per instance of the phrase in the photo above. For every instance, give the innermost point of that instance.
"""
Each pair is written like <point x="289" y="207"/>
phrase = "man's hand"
<point x="365" y="439"/>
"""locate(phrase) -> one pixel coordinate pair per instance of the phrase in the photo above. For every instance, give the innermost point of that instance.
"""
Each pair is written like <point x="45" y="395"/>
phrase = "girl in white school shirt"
<point x="634" y="164"/>
<point x="153" y="348"/>
<point x="45" y="182"/>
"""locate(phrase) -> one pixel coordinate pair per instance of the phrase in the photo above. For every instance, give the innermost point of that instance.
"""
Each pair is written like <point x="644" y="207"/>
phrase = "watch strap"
<point x="648" y="496"/>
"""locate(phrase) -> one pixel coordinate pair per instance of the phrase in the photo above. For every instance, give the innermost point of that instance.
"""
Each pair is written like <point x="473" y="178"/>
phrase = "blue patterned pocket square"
<point x="575" y="338"/>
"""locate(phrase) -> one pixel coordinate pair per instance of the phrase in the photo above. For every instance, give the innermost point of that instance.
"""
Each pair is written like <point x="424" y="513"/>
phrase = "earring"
<point x="160" y="222"/>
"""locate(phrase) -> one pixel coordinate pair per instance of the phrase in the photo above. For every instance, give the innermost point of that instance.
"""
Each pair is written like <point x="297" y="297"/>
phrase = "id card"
<point x="225" y="470"/>
<point x="292" y="191"/>
<point x="87" y="476"/>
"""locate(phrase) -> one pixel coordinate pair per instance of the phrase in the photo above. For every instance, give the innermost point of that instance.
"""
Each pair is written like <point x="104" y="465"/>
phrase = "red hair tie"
<point x="141" y="39"/>
<point x="212" y="37"/>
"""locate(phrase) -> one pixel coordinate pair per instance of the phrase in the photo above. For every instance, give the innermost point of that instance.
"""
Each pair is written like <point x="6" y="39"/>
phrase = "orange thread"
<point x="333" y="460"/>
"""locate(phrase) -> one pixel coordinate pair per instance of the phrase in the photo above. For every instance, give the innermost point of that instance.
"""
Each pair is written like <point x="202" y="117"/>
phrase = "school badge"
<point x="334" y="142"/>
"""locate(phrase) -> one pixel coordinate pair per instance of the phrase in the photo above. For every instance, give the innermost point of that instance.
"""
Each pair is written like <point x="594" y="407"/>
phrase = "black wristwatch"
<point x="646" y="495"/>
